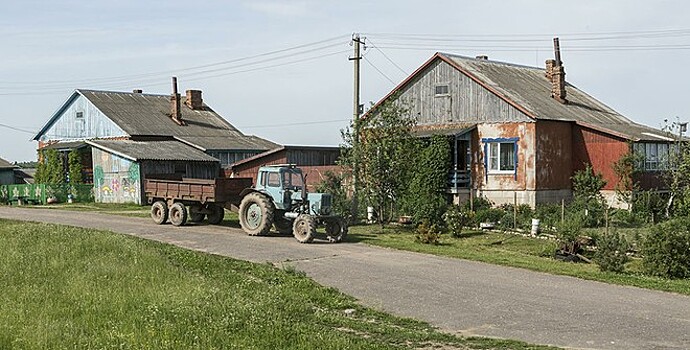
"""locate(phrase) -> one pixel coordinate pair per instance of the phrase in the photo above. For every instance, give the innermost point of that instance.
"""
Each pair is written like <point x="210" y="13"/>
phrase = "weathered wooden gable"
<point x="79" y="119"/>
<point x="465" y="100"/>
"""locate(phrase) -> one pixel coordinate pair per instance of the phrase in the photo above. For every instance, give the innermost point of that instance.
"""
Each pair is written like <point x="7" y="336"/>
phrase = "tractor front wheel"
<point x="256" y="214"/>
<point x="304" y="228"/>
<point x="336" y="230"/>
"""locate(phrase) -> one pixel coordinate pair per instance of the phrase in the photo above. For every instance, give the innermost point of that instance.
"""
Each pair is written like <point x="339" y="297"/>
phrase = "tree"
<point x="382" y="156"/>
<point x="425" y="197"/>
<point x="626" y="168"/>
<point x="587" y="188"/>
<point x="50" y="169"/>
<point x="74" y="161"/>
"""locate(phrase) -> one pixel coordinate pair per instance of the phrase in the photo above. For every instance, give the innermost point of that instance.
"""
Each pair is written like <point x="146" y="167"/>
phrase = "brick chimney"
<point x="549" y="68"/>
<point x="194" y="100"/>
<point x="175" y="112"/>
<point x="558" y="75"/>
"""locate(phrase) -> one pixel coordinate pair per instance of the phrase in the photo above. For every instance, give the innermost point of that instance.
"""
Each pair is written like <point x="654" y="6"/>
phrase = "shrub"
<point x="488" y="215"/>
<point x="568" y="233"/>
<point x="478" y="204"/>
<point x="666" y="249"/>
<point x="456" y="218"/>
<point x="524" y="216"/>
<point x="611" y="249"/>
<point x="428" y="234"/>
<point x="549" y="215"/>
<point x="333" y="183"/>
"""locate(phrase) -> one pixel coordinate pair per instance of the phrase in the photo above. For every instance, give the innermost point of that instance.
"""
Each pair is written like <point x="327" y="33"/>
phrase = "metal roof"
<point x="6" y="165"/>
<point x="152" y="150"/>
<point x="528" y="88"/>
<point x="65" y="145"/>
<point x="139" y="114"/>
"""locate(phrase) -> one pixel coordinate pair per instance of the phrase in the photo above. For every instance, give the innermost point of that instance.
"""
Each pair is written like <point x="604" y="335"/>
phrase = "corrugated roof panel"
<point x="153" y="150"/>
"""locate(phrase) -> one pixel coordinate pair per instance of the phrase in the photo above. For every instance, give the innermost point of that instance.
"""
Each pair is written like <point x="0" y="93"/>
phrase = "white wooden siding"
<point x="93" y="123"/>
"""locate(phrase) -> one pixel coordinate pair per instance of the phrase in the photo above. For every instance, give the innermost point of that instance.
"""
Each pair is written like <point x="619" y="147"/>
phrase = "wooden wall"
<point x="93" y="124"/>
<point x="466" y="101"/>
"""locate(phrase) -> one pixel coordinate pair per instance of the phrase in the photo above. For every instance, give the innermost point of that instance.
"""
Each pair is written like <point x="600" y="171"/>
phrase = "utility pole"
<point x="356" y="41"/>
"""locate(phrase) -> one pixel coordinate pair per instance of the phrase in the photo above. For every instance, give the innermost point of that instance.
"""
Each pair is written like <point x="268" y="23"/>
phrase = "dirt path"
<point x="456" y="295"/>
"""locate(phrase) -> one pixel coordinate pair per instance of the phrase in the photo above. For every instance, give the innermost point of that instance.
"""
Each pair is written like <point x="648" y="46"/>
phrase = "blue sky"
<point x="629" y="54"/>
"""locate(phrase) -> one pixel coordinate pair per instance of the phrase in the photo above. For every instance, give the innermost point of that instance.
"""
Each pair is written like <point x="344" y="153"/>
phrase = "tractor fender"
<point x="247" y="191"/>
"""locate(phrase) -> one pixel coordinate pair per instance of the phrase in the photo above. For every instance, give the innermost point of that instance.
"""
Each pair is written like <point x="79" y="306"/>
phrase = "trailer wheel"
<point x="178" y="214"/>
<point x="256" y="214"/>
<point x="304" y="228"/>
<point x="217" y="214"/>
<point x="195" y="215"/>
<point x="159" y="212"/>
<point x="336" y="230"/>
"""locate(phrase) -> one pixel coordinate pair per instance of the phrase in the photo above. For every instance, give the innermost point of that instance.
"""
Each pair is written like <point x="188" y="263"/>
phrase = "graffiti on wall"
<point x="116" y="180"/>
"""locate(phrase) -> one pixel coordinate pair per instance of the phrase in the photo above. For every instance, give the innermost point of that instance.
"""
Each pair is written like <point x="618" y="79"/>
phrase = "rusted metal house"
<point x="177" y="135"/>
<point x="314" y="161"/>
<point x="521" y="132"/>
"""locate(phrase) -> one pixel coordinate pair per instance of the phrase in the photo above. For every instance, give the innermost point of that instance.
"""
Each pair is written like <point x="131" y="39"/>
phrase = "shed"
<point x="121" y="166"/>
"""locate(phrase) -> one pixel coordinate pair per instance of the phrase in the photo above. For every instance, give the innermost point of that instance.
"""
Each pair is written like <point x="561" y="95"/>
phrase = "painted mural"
<point x="115" y="179"/>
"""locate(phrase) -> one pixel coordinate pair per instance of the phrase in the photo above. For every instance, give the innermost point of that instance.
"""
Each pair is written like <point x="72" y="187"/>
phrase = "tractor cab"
<point x="285" y="184"/>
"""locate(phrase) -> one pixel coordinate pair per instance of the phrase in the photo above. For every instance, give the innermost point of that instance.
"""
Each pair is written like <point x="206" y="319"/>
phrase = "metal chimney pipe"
<point x="175" y="102"/>
<point x="557" y="51"/>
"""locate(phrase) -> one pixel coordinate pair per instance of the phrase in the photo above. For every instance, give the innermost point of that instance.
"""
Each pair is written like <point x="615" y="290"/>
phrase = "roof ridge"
<point x="122" y="92"/>
<point x="488" y="61"/>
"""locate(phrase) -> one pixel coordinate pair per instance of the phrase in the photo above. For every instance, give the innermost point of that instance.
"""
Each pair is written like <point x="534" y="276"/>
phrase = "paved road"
<point x="458" y="296"/>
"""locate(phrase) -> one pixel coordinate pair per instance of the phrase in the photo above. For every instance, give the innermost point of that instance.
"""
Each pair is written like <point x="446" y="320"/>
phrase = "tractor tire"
<point x="195" y="215"/>
<point x="178" y="214"/>
<point x="336" y="230"/>
<point x="217" y="214"/>
<point x="304" y="228"/>
<point x="159" y="212"/>
<point x="283" y="225"/>
<point x="256" y="214"/>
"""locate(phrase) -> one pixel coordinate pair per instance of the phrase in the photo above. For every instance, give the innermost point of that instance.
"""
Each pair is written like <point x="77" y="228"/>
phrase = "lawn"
<point x="512" y="250"/>
<point x="65" y="287"/>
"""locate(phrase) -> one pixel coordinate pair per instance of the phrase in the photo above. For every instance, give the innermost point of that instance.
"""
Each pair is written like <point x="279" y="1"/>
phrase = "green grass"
<point x="512" y="250"/>
<point x="72" y="288"/>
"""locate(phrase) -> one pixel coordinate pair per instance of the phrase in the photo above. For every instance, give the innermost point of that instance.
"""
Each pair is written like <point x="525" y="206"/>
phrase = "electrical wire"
<point x="378" y="70"/>
<point x="388" y="58"/>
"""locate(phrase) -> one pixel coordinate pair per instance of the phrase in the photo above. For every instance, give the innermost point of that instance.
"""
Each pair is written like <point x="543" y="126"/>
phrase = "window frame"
<point x="445" y="94"/>
<point x="488" y="155"/>
<point x="655" y="155"/>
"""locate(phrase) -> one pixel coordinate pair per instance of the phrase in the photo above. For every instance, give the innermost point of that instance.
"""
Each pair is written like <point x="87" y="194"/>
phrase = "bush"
<point x="666" y="249"/>
<point x="456" y="218"/>
<point x="488" y="215"/>
<point x="333" y="184"/>
<point x="478" y="204"/>
<point x="611" y="249"/>
<point x="549" y="216"/>
<point x="524" y="216"/>
<point x="568" y="233"/>
<point x="428" y="234"/>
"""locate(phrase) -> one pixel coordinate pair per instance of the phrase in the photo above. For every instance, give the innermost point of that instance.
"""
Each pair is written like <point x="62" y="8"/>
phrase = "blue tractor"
<point x="280" y="199"/>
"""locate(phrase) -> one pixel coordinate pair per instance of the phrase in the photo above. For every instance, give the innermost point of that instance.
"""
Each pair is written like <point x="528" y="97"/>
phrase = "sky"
<point x="280" y="69"/>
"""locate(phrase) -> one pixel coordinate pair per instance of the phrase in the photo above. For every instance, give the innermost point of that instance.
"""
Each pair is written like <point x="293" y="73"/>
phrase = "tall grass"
<point x="71" y="288"/>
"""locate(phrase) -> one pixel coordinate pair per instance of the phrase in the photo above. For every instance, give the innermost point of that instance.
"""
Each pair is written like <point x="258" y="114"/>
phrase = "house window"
<point x="441" y="90"/>
<point x="80" y="115"/>
<point x="501" y="155"/>
<point x="653" y="156"/>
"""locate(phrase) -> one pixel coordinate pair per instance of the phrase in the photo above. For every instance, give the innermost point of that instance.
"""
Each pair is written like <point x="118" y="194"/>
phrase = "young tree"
<point x="54" y="172"/>
<point x="74" y="161"/>
<point x="382" y="155"/>
<point x="587" y="188"/>
<point x="626" y="168"/>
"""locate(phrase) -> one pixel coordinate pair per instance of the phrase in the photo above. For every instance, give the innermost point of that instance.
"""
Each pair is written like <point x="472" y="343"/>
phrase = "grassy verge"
<point x="511" y="250"/>
<point x="67" y="287"/>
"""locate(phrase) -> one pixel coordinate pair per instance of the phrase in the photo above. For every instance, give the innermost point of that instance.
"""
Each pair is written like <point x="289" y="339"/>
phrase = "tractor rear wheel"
<point x="336" y="230"/>
<point x="217" y="214"/>
<point x="256" y="214"/>
<point x="178" y="214"/>
<point x="304" y="228"/>
<point x="159" y="212"/>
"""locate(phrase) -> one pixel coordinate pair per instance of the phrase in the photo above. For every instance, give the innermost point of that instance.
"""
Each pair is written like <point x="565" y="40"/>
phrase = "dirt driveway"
<point x="456" y="295"/>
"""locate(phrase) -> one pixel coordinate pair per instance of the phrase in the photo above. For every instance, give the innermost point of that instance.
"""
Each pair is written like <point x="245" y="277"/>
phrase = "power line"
<point x="378" y="70"/>
<point x="185" y="69"/>
<point x="388" y="58"/>
<point x="294" y="124"/>
<point x="17" y="129"/>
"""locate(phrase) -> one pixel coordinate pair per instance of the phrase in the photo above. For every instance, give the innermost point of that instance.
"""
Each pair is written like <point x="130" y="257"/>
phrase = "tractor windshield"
<point x="292" y="178"/>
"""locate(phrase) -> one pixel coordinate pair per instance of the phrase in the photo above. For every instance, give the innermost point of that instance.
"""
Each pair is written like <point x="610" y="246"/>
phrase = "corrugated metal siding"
<point x="93" y="123"/>
<point x="600" y="150"/>
<point x="467" y="101"/>
<point x="554" y="162"/>
<point x="228" y="158"/>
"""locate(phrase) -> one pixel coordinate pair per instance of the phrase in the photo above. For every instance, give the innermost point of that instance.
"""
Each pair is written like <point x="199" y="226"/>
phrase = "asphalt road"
<point x="458" y="296"/>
